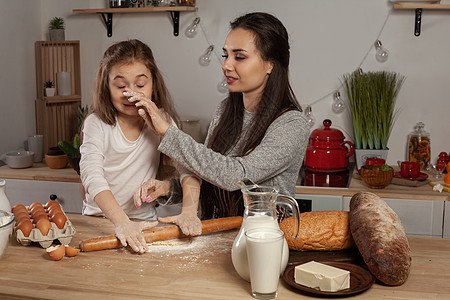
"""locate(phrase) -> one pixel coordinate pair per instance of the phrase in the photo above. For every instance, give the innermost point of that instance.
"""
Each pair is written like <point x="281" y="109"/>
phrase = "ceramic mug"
<point x="409" y="169"/>
<point x="375" y="161"/>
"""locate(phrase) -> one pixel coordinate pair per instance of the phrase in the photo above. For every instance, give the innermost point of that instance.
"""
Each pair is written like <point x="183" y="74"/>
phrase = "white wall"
<point x="328" y="38"/>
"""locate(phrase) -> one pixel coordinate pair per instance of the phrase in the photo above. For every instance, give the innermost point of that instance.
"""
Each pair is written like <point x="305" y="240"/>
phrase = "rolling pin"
<point x="161" y="234"/>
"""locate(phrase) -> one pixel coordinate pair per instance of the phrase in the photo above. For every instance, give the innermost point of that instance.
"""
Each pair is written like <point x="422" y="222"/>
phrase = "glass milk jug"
<point x="260" y="212"/>
<point x="4" y="202"/>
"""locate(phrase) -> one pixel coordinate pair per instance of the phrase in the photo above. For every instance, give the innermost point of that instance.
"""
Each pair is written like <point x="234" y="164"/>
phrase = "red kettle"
<point x="327" y="150"/>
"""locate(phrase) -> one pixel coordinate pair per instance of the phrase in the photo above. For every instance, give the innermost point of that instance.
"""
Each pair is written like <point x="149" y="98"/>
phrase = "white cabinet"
<point x="419" y="217"/>
<point x="319" y="202"/>
<point x="446" y="232"/>
<point x="21" y="191"/>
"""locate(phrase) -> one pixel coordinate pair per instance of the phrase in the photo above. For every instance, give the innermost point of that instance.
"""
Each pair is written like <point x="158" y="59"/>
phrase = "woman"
<point x="258" y="132"/>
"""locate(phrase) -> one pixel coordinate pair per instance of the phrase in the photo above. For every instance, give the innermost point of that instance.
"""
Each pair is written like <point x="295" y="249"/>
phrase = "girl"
<point x="119" y="152"/>
<point x="258" y="132"/>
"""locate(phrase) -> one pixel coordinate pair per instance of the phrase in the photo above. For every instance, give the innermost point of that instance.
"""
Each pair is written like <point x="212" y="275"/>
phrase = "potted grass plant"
<point x="372" y="97"/>
<point x="56" y="29"/>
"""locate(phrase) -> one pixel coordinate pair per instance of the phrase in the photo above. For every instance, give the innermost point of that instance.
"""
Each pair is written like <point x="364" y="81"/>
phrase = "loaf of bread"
<point x="319" y="231"/>
<point x="380" y="238"/>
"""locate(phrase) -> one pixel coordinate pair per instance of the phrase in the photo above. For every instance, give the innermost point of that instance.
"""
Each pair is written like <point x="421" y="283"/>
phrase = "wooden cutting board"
<point x="349" y="256"/>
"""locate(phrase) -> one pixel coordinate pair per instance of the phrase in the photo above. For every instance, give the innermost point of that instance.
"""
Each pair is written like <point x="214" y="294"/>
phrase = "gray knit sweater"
<point x="276" y="161"/>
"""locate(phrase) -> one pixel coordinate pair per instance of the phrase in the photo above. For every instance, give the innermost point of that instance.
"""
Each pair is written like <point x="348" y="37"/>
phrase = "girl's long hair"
<point x="272" y="41"/>
<point x="122" y="53"/>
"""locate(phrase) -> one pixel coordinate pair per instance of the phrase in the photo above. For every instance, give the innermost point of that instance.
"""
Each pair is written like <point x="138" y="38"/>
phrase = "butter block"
<point x="322" y="277"/>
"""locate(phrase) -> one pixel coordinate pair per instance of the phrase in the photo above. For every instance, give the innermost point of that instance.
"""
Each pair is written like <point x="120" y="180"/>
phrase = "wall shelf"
<point x="418" y="7"/>
<point x="107" y="14"/>
<point x="421" y="5"/>
<point x="56" y="117"/>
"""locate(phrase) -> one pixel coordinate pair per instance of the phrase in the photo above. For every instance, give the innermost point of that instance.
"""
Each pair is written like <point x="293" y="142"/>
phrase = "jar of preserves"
<point x="419" y="146"/>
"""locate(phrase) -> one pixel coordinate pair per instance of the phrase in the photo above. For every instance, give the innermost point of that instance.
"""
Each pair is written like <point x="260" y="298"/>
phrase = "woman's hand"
<point x="189" y="223"/>
<point x="150" y="190"/>
<point x="148" y="110"/>
<point x="130" y="233"/>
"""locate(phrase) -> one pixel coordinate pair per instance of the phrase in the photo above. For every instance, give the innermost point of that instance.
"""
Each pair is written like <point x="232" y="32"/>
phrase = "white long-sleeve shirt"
<point x="109" y="161"/>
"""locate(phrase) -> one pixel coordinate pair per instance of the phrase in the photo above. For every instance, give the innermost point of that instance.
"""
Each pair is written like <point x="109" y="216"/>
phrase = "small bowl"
<point x="376" y="176"/>
<point x="6" y="224"/>
<point x="19" y="159"/>
<point x="56" y="161"/>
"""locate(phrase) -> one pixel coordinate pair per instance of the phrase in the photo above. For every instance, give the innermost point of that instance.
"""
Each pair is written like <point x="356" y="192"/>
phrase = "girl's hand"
<point x="188" y="222"/>
<point x="148" y="110"/>
<point x="130" y="233"/>
<point x="150" y="190"/>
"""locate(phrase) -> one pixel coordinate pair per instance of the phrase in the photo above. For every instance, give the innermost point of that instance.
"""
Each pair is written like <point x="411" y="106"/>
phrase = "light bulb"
<point x="382" y="54"/>
<point x="191" y="30"/>
<point x="338" y="105"/>
<point x="205" y="59"/>
<point x="222" y="87"/>
<point x="309" y="116"/>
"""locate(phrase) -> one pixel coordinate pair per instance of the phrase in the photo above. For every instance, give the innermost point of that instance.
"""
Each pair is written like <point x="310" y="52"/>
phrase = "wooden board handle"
<point x="161" y="234"/>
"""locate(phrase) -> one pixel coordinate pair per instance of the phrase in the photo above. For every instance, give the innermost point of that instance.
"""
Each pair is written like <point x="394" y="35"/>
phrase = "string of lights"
<point x="338" y="105"/>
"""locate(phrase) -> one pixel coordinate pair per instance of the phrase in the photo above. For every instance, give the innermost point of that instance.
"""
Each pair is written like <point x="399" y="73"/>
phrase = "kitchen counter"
<point x="424" y="192"/>
<point x="195" y="268"/>
<point x="40" y="171"/>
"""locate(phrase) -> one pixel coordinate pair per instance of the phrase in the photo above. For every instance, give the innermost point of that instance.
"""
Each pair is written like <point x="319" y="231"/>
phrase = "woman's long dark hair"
<point x="272" y="41"/>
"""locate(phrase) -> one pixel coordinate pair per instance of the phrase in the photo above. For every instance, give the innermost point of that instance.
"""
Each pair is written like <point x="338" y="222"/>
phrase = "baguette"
<point x="319" y="231"/>
<point x="380" y="237"/>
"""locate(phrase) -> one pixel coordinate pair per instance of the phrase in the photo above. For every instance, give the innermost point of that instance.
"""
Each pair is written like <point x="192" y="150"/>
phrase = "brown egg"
<point x="37" y="212"/>
<point x="20" y="215"/>
<point x="71" y="251"/>
<point x="56" y="252"/>
<point x="54" y="207"/>
<point x="44" y="226"/>
<point x="25" y="226"/>
<point x="59" y="219"/>
<point x="18" y="207"/>
<point x="54" y="211"/>
<point x="37" y="208"/>
<point x="51" y="203"/>
<point x="39" y="217"/>
<point x="34" y="204"/>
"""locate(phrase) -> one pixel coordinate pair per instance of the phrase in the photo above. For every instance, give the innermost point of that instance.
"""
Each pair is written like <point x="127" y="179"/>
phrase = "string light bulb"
<point x="222" y="87"/>
<point x="191" y="30"/>
<point x="381" y="53"/>
<point x="309" y="116"/>
<point x="205" y="59"/>
<point x="338" y="105"/>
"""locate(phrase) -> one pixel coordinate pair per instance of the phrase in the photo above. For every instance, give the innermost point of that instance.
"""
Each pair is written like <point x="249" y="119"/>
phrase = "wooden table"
<point x="197" y="268"/>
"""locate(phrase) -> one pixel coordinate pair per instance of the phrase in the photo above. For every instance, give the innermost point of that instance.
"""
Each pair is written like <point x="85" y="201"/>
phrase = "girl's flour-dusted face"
<point x="135" y="76"/>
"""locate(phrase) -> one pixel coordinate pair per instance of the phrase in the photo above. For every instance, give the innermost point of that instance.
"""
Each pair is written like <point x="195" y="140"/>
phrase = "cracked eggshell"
<point x="71" y="251"/>
<point x="56" y="252"/>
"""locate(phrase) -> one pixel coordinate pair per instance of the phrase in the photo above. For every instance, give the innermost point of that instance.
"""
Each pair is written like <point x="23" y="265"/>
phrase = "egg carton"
<point x="64" y="235"/>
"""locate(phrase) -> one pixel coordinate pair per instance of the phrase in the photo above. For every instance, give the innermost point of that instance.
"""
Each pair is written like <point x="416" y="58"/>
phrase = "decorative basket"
<point x="376" y="176"/>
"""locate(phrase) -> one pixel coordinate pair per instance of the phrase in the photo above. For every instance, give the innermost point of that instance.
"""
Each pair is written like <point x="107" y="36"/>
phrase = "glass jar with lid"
<point x="419" y="146"/>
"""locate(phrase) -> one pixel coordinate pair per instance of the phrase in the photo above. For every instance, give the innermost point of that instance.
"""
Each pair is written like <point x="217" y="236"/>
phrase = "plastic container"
<point x="419" y="148"/>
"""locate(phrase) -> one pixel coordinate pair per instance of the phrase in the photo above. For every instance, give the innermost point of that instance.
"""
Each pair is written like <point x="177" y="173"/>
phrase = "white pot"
<point x="49" y="92"/>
